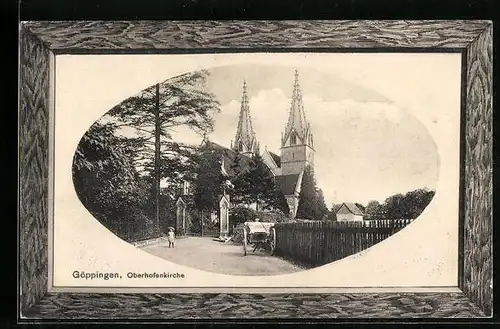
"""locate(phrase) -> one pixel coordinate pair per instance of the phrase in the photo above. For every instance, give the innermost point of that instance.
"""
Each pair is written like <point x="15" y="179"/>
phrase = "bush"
<point x="134" y="227"/>
<point x="240" y="215"/>
<point x="275" y="216"/>
<point x="237" y="234"/>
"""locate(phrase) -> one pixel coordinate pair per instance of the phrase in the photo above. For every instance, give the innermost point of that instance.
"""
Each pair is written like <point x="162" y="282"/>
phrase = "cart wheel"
<point x="273" y="240"/>
<point x="244" y="243"/>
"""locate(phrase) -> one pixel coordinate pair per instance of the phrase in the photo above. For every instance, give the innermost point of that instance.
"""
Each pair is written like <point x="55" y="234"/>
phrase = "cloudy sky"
<point x="367" y="148"/>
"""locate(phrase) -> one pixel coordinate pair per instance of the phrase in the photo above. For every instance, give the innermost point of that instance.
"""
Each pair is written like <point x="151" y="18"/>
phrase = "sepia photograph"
<point x="260" y="169"/>
<point x="290" y="169"/>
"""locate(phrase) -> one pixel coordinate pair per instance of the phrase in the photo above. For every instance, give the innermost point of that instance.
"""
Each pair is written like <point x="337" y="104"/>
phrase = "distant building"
<point x="349" y="212"/>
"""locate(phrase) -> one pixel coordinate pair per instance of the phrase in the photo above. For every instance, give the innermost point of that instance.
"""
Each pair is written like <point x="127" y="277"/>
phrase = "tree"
<point x="332" y="215"/>
<point x="417" y="201"/>
<point x="241" y="193"/>
<point x="208" y="181"/>
<point x="401" y="206"/>
<point x="322" y="210"/>
<point x="256" y="185"/>
<point x="154" y="113"/>
<point x="374" y="210"/>
<point x="311" y="203"/>
<point x="396" y="207"/>
<point x="278" y="201"/>
<point x="106" y="180"/>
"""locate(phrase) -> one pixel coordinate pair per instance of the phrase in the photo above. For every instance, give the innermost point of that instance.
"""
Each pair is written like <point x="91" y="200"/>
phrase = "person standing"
<point x="171" y="238"/>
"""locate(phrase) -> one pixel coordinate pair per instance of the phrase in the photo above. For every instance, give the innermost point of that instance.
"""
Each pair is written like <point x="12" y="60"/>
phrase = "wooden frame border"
<point x="40" y="41"/>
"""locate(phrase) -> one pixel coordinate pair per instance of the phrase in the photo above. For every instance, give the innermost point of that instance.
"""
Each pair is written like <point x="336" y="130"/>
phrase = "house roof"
<point x="352" y="207"/>
<point x="287" y="183"/>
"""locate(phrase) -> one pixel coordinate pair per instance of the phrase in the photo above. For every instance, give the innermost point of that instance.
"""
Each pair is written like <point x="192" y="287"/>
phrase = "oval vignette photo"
<point x="258" y="169"/>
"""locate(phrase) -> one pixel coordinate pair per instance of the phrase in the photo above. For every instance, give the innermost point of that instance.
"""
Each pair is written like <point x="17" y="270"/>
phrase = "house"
<point x="349" y="212"/>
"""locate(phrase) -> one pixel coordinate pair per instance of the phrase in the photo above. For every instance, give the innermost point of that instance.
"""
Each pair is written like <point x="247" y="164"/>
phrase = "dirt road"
<point x="226" y="258"/>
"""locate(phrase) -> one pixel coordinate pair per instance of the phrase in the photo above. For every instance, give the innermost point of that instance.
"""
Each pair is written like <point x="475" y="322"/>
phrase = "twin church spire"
<point x="297" y="130"/>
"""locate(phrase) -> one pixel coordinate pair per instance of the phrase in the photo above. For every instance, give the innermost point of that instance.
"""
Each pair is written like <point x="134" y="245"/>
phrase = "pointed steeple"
<point x="245" y="141"/>
<point x="297" y="121"/>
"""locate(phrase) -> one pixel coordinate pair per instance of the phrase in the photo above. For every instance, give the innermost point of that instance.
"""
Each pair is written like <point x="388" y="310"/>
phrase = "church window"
<point x="293" y="155"/>
<point x="293" y="139"/>
<point x="240" y="146"/>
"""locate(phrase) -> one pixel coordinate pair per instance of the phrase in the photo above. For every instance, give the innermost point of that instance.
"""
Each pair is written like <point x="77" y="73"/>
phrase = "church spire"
<point x="245" y="141"/>
<point x="297" y="118"/>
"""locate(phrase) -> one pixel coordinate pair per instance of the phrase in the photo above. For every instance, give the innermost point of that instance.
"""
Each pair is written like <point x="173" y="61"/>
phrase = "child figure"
<point x="171" y="238"/>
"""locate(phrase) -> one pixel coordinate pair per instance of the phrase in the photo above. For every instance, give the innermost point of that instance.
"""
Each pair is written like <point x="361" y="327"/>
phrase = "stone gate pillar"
<point x="223" y="216"/>
<point x="181" y="217"/>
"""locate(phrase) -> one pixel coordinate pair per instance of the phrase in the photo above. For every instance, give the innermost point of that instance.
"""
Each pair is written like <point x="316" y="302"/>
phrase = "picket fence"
<point x="315" y="243"/>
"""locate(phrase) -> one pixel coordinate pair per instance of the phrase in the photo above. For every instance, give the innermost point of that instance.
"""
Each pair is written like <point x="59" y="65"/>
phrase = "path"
<point x="226" y="258"/>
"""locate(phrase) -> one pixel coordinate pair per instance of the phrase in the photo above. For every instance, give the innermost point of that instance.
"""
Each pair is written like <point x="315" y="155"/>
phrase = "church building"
<point x="297" y="146"/>
<point x="296" y="152"/>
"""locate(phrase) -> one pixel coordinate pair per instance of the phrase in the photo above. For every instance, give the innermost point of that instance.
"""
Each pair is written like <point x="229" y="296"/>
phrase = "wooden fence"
<point x="315" y="243"/>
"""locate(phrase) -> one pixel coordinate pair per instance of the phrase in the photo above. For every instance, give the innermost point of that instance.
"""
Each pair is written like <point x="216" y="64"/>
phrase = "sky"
<point x="367" y="148"/>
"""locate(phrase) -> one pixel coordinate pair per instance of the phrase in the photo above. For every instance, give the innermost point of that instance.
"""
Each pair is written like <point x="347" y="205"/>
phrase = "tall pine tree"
<point x="154" y="113"/>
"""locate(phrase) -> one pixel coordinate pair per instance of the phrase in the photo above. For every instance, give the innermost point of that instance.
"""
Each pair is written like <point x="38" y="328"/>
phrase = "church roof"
<point x="287" y="183"/>
<point x="276" y="158"/>
<point x="229" y="156"/>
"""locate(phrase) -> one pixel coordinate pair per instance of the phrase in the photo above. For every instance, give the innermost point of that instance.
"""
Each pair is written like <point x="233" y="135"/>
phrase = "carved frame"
<point x="41" y="41"/>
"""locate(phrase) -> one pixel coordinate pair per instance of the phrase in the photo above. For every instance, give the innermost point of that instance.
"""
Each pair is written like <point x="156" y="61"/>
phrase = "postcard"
<point x="256" y="172"/>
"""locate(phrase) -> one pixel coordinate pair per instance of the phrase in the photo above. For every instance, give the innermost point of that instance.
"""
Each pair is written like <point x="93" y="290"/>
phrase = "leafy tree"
<point x="256" y="185"/>
<point x="417" y="201"/>
<point x="241" y="193"/>
<point x="396" y="206"/>
<point x="107" y="182"/>
<point x="102" y="169"/>
<point x="374" y="210"/>
<point x="311" y="203"/>
<point x="401" y="206"/>
<point x="208" y="181"/>
<point x="278" y="201"/>
<point x="259" y="183"/>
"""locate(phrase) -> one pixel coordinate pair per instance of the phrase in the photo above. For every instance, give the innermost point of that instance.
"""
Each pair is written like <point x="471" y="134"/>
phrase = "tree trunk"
<point x="201" y="223"/>
<point x="157" y="159"/>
